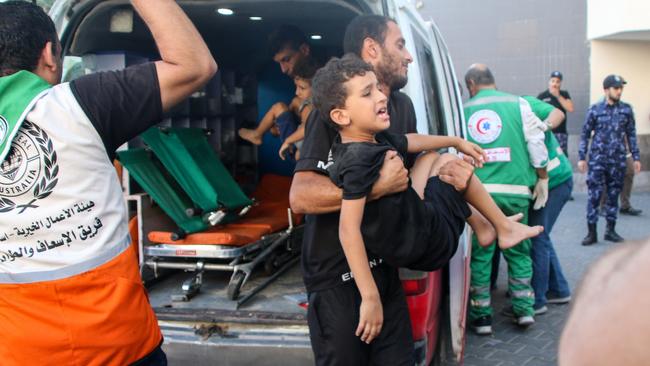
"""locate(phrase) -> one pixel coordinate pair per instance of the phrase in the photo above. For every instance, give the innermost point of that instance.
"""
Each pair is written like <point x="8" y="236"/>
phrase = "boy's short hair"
<point x="285" y="36"/>
<point x="305" y="68"/>
<point x="24" y="30"/>
<point x="328" y="90"/>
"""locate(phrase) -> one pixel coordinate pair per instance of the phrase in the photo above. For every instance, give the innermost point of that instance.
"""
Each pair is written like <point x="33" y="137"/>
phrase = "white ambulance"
<point x="270" y="329"/>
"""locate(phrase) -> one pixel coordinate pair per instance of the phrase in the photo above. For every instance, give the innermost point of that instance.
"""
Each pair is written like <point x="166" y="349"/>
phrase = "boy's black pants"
<point x="333" y="317"/>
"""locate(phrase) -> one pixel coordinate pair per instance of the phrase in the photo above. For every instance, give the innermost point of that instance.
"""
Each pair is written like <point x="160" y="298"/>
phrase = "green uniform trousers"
<point x="520" y="268"/>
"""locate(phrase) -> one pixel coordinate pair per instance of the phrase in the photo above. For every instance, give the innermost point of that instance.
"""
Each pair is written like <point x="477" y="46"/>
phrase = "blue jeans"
<point x="547" y="273"/>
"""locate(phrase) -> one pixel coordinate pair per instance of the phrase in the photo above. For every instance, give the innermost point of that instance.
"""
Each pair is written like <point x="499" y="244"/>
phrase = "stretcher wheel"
<point x="235" y="284"/>
<point x="270" y="264"/>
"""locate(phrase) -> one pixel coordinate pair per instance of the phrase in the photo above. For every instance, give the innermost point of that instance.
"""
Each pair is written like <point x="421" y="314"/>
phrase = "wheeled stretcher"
<point x="249" y="232"/>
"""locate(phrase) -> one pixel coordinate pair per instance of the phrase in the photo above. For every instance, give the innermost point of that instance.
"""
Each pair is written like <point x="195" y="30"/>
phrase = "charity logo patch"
<point x="30" y="170"/>
<point x="4" y="129"/>
<point x="485" y="126"/>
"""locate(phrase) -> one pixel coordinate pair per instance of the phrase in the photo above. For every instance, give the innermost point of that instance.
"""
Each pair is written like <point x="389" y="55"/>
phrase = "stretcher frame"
<point x="243" y="260"/>
<point x="179" y="149"/>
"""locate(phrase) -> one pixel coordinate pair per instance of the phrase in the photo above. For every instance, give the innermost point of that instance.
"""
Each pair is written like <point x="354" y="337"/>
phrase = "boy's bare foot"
<point x="250" y="136"/>
<point x="515" y="232"/>
<point x="516" y="217"/>
<point x="485" y="232"/>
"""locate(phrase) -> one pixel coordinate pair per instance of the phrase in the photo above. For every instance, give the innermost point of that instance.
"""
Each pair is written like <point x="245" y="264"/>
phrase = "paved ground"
<point x="538" y="345"/>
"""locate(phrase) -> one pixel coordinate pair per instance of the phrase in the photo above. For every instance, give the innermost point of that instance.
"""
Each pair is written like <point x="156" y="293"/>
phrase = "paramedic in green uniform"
<point x="549" y="283"/>
<point x="515" y="172"/>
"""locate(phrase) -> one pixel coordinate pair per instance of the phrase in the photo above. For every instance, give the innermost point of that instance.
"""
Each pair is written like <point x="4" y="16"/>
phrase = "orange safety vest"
<point x="101" y="317"/>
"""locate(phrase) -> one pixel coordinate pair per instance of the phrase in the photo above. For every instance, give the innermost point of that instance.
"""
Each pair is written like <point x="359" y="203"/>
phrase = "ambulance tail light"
<point x="415" y="287"/>
<point x="413" y="282"/>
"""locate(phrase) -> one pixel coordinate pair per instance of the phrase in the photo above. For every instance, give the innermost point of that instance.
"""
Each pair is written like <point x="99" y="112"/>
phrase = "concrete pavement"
<point x="509" y="345"/>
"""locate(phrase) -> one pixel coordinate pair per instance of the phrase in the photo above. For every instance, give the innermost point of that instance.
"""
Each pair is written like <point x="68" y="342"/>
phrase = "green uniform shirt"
<point x="559" y="167"/>
<point x="494" y="122"/>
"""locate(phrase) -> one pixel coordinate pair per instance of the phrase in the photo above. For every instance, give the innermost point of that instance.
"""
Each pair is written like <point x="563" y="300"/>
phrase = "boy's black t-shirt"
<point x="400" y="230"/>
<point x="323" y="262"/>
<point x="357" y="164"/>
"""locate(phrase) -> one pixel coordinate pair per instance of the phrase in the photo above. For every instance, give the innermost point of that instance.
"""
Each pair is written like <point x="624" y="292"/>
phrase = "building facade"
<point x="523" y="41"/>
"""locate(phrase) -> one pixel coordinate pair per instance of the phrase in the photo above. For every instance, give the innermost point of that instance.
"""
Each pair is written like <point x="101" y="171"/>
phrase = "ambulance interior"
<point x="198" y="271"/>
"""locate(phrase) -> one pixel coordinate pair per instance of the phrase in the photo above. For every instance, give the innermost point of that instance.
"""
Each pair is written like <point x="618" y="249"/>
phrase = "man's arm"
<point x="457" y="173"/>
<point x="314" y="193"/>
<point x="587" y="129"/>
<point x="555" y="118"/>
<point x="538" y="154"/>
<point x="187" y="63"/>
<point x="551" y="116"/>
<point x="534" y="136"/>
<point x="565" y="102"/>
<point x="542" y="173"/>
<point x="630" y="134"/>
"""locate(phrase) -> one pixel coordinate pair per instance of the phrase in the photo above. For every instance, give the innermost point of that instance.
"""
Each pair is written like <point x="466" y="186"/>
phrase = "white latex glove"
<point x="540" y="193"/>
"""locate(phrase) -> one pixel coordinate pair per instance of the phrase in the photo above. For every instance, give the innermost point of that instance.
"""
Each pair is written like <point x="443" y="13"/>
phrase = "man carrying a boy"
<point x="334" y="299"/>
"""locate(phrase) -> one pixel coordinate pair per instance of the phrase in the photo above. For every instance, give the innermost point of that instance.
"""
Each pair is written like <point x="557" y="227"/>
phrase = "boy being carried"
<point x="288" y="121"/>
<point x="347" y="90"/>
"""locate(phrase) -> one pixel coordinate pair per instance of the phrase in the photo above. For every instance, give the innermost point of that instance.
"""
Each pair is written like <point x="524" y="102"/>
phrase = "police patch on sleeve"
<point x="485" y="126"/>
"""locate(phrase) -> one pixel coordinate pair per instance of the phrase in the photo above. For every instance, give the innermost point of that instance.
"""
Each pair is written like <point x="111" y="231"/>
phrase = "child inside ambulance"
<point x="288" y="121"/>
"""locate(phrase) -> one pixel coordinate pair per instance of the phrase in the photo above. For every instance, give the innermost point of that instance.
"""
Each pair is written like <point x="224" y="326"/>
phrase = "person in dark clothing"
<point x="561" y="100"/>
<point x="610" y="126"/>
<point x="333" y="297"/>
<point x="358" y="159"/>
<point x="82" y="303"/>
<point x="288" y="45"/>
<point x="346" y="90"/>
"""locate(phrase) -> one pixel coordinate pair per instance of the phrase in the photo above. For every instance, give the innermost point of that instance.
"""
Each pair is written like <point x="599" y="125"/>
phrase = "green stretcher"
<point x="191" y="161"/>
<point x="162" y="190"/>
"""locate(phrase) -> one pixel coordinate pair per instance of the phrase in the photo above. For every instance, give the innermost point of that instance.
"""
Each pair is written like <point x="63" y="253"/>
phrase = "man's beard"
<point x="614" y="99"/>
<point x="386" y="75"/>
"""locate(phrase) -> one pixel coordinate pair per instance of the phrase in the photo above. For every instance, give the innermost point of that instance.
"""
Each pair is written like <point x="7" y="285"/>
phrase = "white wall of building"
<point x="607" y="18"/>
<point x="630" y="59"/>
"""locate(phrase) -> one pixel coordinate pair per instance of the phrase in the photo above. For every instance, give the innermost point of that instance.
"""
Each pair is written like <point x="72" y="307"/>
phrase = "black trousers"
<point x="333" y="317"/>
<point x="155" y="358"/>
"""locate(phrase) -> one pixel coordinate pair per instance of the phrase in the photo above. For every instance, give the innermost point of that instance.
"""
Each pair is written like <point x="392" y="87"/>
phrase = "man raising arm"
<point x="72" y="292"/>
